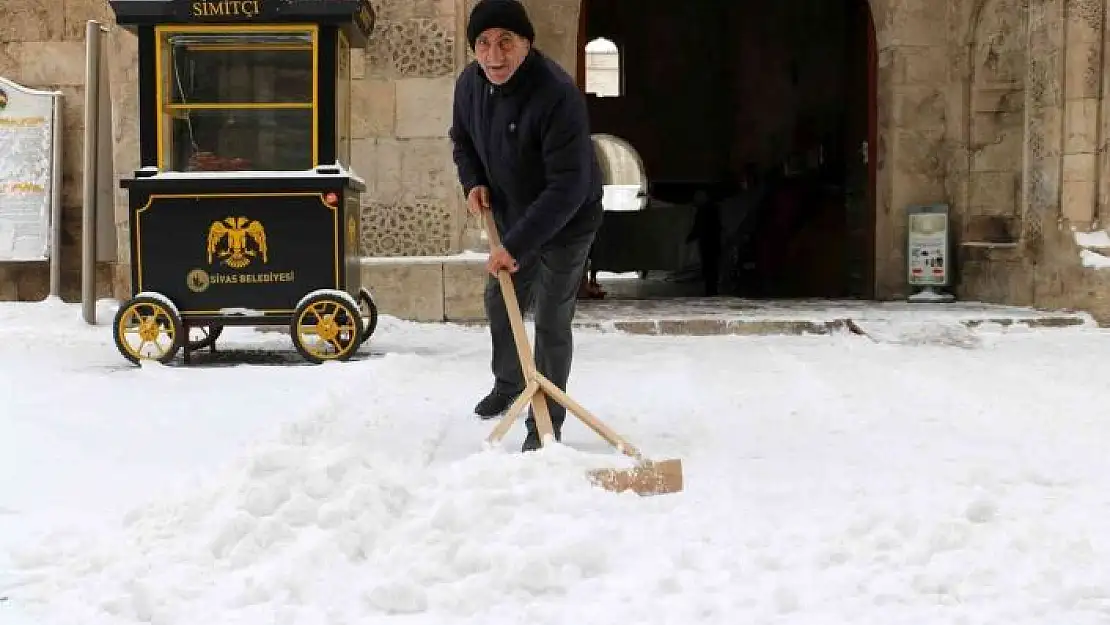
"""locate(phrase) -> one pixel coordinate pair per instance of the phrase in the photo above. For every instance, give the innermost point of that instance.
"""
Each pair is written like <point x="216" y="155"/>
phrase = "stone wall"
<point x="912" y="92"/>
<point x="401" y="113"/>
<point x="1066" y="181"/>
<point x="1034" y="110"/>
<point x="42" y="45"/>
<point x="402" y="108"/>
<point x="997" y="107"/>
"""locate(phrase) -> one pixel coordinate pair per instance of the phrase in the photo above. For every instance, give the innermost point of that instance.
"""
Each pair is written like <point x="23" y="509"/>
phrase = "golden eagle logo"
<point x="236" y="254"/>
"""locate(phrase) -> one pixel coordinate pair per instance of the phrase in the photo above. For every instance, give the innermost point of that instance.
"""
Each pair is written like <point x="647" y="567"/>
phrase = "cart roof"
<point x="356" y="17"/>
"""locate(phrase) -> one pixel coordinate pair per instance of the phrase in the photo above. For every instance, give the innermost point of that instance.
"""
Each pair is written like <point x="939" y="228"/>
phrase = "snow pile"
<point x="327" y="523"/>
<point x="829" y="480"/>
<point x="940" y="333"/>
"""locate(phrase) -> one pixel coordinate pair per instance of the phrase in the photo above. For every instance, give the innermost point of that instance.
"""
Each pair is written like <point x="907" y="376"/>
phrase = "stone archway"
<point x="559" y="29"/>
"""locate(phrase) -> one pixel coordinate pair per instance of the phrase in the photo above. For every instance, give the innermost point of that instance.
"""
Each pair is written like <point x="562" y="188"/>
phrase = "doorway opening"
<point x="754" y="129"/>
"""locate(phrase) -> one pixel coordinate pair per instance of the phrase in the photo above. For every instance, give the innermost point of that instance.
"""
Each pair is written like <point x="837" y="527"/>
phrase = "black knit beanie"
<point x="507" y="14"/>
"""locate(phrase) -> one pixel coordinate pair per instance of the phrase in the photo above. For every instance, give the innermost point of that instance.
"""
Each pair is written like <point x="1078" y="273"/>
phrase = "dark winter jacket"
<point x="529" y="142"/>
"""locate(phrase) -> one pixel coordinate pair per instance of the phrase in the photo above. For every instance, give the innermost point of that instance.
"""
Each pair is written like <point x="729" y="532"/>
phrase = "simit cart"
<point x="245" y="210"/>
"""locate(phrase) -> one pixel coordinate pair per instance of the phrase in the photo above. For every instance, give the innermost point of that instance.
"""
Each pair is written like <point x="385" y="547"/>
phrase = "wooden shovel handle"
<point x="516" y="319"/>
<point x="491" y="229"/>
<point x="520" y="337"/>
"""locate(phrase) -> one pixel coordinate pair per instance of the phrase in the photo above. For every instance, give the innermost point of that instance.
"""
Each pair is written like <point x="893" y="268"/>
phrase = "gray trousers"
<point x="548" y="283"/>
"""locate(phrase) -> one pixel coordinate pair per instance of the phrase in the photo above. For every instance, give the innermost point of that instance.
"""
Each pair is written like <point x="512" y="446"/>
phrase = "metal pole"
<point x="88" y="213"/>
<point x="56" y="203"/>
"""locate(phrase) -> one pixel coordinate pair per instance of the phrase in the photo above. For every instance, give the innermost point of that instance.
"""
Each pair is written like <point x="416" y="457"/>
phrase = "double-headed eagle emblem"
<point x="236" y="229"/>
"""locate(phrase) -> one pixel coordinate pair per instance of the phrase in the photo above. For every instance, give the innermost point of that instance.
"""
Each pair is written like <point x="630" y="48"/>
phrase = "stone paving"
<point x="722" y="315"/>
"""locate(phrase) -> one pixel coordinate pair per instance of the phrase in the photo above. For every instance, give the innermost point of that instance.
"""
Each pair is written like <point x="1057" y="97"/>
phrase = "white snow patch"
<point x="930" y="296"/>
<point x="468" y="256"/>
<point x="626" y="275"/>
<point x="332" y="293"/>
<point x="341" y="172"/>
<point x="242" y="312"/>
<point x="1094" y="259"/>
<point x="167" y="302"/>
<point x="326" y="515"/>
<point x="1096" y="239"/>
<point x="943" y="333"/>
<point x="828" y="480"/>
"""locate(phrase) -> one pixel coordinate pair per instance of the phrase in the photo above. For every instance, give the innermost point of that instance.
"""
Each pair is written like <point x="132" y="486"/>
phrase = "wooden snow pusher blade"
<point x="648" y="477"/>
<point x="651" y="478"/>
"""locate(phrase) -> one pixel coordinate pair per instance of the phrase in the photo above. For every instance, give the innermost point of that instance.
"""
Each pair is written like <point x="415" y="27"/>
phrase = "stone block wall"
<point x="1068" y="167"/>
<point x="997" y="107"/>
<point x="912" y="89"/>
<point x="403" y="89"/>
<point x="429" y="288"/>
<point x="1037" y="170"/>
<point x="42" y="45"/>
<point x="401" y="113"/>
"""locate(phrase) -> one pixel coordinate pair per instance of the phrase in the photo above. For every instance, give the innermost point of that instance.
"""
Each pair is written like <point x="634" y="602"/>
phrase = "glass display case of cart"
<point x="245" y="85"/>
<point x="236" y="101"/>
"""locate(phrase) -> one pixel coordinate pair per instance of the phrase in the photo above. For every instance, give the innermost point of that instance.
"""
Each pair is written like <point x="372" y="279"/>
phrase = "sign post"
<point x="30" y="177"/>
<point x="928" y="257"/>
<point x="98" y="230"/>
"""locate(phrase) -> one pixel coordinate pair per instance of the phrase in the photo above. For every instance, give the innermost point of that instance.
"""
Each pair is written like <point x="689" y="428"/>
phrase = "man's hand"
<point x="478" y="200"/>
<point x="500" y="259"/>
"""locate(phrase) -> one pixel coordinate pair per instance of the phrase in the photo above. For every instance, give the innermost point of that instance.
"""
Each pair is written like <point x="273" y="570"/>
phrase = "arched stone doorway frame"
<point x="560" y="33"/>
<point x="1034" y="259"/>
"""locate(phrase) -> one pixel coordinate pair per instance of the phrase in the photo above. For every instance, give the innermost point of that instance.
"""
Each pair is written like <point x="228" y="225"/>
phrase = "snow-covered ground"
<point x="932" y="476"/>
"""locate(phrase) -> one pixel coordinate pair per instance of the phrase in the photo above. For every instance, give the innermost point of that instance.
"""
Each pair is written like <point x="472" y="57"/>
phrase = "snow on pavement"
<point x="938" y="475"/>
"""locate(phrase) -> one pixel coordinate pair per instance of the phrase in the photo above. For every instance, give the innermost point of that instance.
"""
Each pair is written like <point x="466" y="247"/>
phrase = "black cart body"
<point x="245" y="207"/>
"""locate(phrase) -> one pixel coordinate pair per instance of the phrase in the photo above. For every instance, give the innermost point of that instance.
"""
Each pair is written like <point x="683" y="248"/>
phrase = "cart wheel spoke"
<point x="327" y="327"/>
<point x="319" y="310"/>
<point x="156" y="348"/>
<point x="147" y="329"/>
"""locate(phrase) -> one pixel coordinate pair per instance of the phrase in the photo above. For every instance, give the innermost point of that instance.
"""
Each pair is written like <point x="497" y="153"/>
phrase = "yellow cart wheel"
<point x="148" y="328"/>
<point x="326" y="326"/>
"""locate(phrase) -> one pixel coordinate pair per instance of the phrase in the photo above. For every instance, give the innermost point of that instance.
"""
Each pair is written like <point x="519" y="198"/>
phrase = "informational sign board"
<point x="28" y="158"/>
<point x="927" y="253"/>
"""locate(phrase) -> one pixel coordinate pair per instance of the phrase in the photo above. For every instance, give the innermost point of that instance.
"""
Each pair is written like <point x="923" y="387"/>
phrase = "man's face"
<point x="500" y="52"/>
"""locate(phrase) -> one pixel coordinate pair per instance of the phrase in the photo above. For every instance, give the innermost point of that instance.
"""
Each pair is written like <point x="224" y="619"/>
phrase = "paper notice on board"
<point x="26" y="137"/>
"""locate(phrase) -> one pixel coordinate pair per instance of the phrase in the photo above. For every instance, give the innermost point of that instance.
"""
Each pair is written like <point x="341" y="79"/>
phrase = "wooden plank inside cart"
<point x="245" y="209"/>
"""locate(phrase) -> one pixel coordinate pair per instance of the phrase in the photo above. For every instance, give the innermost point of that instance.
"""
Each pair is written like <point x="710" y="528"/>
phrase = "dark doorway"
<point x="755" y="124"/>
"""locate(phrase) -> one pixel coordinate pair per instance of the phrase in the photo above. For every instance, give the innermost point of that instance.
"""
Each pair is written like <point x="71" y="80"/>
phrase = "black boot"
<point x="494" y="404"/>
<point x="532" y="441"/>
